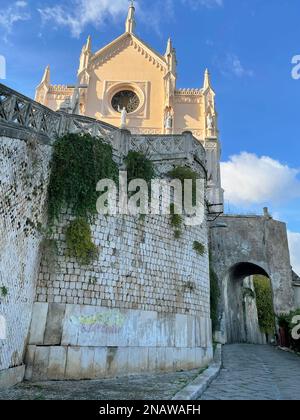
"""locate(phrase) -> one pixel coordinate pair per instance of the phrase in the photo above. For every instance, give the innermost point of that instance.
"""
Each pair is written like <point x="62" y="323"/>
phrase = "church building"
<point x="129" y="85"/>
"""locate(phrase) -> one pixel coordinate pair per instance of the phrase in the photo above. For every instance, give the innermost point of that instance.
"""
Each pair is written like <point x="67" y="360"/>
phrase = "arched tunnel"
<point x="244" y="269"/>
<point x="242" y="320"/>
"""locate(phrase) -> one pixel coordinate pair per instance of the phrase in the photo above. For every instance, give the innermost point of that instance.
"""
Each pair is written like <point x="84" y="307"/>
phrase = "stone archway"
<point x="258" y="243"/>
<point x="241" y="312"/>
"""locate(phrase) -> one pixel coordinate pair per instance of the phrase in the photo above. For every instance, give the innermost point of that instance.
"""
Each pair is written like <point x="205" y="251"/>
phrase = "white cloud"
<point x="294" y="244"/>
<point x="77" y="14"/>
<point x="21" y="3"/>
<point x="194" y="4"/>
<point x="251" y="180"/>
<point x="11" y="15"/>
<point x="233" y="65"/>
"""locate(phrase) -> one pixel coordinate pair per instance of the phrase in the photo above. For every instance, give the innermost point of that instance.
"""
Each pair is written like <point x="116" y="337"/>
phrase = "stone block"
<point x="11" y="377"/>
<point x="100" y="358"/>
<point x="57" y="363"/>
<point x="38" y="323"/>
<point x="181" y="330"/>
<point x="87" y="362"/>
<point x="29" y="362"/>
<point x="41" y="362"/>
<point x="203" y="332"/>
<point x="152" y="359"/>
<point x="165" y="330"/>
<point x="117" y="361"/>
<point x="73" y="370"/>
<point x="191" y="331"/>
<point x="54" y="324"/>
<point x="138" y="360"/>
<point x="71" y="325"/>
<point x="161" y="359"/>
<point x="146" y="331"/>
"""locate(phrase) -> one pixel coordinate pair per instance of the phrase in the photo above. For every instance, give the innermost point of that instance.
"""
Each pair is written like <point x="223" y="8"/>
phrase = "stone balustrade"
<point x="21" y="117"/>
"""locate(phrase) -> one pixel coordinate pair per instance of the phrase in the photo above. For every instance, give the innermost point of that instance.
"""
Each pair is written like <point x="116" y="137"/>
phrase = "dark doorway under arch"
<point x="242" y="319"/>
<point x="244" y="269"/>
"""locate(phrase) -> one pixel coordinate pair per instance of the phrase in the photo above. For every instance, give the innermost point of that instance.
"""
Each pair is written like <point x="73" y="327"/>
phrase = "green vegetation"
<point x="264" y="302"/>
<point x="139" y="167"/>
<point x="189" y="286"/>
<point x="286" y="321"/>
<point x="199" y="248"/>
<point x="79" y="242"/>
<point x="215" y="294"/>
<point x="247" y="292"/>
<point x="176" y="221"/>
<point x="78" y="163"/>
<point x="182" y="173"/>
<point x="3" y="291"/>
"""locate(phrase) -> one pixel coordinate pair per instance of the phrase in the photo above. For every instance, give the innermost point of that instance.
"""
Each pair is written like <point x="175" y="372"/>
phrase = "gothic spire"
<point x="89" y="43"/>
<point x="130" y="21"/>
<point x="207" y="83"/>
<point x="46" y="76"/>
<point x="169" y="49"/>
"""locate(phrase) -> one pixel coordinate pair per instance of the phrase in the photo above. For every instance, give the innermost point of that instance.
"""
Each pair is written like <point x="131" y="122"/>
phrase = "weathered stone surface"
<point x="22" y="199"/>
<point x="38" y="323"/>
<point x="11" y="377"/>
<point x="100" y="357"/>
<point x="57" y="363"/>
<point x="87" y="362"/>
<point x="29" y="362"/>
<point x="248" y="245"/>
<point x="54" y="325"/>
<point x="73" y="366"/>
<point x="41" y="363"/>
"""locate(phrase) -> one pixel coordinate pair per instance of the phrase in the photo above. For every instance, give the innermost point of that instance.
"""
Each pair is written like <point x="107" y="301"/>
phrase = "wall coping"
<point x="23" y="118"/>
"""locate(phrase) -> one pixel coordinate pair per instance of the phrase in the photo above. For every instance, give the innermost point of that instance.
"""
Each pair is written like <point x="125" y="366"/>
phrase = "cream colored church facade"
<point x="127" y="64"/>
<point x="128" y="73"/>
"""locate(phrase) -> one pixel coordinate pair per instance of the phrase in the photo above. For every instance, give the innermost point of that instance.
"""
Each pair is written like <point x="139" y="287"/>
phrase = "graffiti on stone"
<point x="108" y="322"/>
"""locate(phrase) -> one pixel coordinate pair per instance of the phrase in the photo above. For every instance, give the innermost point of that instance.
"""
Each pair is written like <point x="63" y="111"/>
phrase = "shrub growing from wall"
<point x="264" y="303"/>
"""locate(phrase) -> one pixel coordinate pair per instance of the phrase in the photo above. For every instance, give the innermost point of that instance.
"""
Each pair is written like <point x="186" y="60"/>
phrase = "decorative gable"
<point x="123" y="42"/>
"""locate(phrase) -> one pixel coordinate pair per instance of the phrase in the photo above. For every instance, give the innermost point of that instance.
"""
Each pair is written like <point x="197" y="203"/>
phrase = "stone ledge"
<point x="198" y="386"/>
<point x="11" y="377"/>
<point x="46" y="363"/>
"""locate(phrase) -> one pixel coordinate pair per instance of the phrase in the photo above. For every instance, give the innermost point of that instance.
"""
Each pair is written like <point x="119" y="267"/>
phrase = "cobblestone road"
<point x="141" y="387"/>
<point x="256" y="373"/>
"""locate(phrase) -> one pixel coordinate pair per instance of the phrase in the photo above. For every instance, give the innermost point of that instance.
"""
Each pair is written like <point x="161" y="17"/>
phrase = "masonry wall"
<point x="260" y="241"/>
<point x="142" y="306"/>
<point x="23" y="183"/>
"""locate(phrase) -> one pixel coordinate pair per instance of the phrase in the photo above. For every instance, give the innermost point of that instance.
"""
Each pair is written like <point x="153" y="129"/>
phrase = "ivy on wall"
<point x="215" y="294"/>
<point x="139" y="167"/>
<point x="264" y="303"/>
<point x="79" y="242"/>
<point x="184" y="173"/>
<point x="78" y="163"/>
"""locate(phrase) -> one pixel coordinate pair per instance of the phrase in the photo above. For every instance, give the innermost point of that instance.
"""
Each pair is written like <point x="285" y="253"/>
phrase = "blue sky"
<point x="248" y="46"/>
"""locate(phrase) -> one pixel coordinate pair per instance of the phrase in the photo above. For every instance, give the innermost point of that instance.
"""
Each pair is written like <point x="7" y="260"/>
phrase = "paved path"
<point x="256" y="373"/>
<point x="161" y="386"/>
